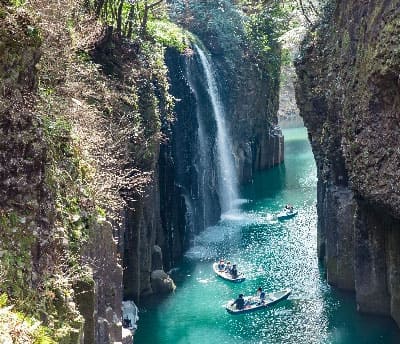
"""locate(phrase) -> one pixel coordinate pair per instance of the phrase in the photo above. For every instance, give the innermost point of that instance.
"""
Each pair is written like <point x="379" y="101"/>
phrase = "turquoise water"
<point x="274" y="255"/>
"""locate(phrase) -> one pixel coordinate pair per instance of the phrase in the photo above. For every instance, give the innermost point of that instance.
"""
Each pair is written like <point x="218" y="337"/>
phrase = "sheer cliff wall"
<point x="348" y="94"/>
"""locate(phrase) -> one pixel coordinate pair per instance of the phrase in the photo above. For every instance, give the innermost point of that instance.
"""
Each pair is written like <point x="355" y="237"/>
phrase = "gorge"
<point x="140" y="141"/>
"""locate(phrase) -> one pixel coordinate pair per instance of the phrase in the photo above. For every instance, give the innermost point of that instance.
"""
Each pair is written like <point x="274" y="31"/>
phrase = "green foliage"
<point x="15" y="252"/>
<point x="57" y="133"/>
<point x="18" y="3"/>
<point x="286" y="57"/>
<point x="3" y="300"/>
<point x="33" y="32"/>
<point x="83" y="56"/>
<point x="41" y="336"/>
<point x="236" y="30"/>
<point x="212" y="21"/>
<point x="16" y="273"/>
<point x="169" y="34"/>
<point x="48" y="299"/>
<point x="129" y="18"/>
<point x="22" y="328"/>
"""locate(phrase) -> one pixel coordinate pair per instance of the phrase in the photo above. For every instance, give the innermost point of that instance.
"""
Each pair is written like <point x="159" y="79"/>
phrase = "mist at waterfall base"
<point x="274" y="255"/>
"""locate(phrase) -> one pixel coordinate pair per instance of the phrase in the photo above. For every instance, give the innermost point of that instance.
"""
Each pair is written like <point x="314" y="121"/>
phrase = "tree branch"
<point x="154" y="4"/>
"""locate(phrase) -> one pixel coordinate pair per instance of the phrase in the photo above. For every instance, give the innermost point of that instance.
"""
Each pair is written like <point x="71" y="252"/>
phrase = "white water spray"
<point x="226" y="172"/>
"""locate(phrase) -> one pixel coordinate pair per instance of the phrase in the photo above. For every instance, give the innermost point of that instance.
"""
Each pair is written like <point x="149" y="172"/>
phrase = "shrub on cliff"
<point x="234" y="31"/>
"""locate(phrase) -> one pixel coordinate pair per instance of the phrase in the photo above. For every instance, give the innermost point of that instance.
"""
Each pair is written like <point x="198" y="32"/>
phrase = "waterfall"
<point x="227" y="179"/>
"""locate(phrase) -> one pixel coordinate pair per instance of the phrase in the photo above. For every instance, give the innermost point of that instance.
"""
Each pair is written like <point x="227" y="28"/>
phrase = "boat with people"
<point x="287" y="213"/>
<point x="225" y="273"/>
<point x="253" y="303"/>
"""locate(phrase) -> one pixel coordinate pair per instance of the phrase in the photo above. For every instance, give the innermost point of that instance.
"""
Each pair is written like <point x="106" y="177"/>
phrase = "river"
<point x="274" y="255"/>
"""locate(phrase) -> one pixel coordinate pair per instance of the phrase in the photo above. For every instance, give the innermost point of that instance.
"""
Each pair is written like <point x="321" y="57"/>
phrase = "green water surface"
<point x="274" y="255"/>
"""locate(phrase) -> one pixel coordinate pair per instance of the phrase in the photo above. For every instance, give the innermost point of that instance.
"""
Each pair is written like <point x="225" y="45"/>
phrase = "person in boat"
<point x="228" y="267"/>
<point x="234" y="271"/>
<point x="261" y="295"/>
<point x="221" y="265"/>
<point x="239" y="302"/>
<point x="289" y="208"/>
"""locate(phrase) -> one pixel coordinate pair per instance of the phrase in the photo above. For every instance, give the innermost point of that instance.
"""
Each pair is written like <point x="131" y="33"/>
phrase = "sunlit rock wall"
<point x="250" y="91"/>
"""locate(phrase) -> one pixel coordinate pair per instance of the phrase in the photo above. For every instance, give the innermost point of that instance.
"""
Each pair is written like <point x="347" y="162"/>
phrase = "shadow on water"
<point x="344" y="322"/>
<point x="259" y="190"/>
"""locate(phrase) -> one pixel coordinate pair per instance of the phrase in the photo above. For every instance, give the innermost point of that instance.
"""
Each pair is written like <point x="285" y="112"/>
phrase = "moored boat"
<point x="252" y="303"/>
<point x="227" y="276"/>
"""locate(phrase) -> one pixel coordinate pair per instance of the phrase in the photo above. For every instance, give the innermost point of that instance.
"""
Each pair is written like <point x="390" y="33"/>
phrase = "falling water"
<point x="226" y="172"/>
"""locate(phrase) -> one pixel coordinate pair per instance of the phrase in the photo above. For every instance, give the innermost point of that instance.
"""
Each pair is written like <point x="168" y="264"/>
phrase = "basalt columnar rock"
<point x="252" y="102"/>
<point x="348" y="94"/>
<point x="188" y="162"/>
<point x="249" y="89"/>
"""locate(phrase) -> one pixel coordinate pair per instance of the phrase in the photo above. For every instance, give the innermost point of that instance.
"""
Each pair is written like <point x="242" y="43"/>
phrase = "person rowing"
<point x="234" y="271"/>
<point x="239" y="302"/>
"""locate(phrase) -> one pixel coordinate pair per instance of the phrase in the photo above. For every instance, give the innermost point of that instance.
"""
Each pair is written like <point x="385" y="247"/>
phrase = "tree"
<point x="126" y="16"/>
<point x="147" y="8"/>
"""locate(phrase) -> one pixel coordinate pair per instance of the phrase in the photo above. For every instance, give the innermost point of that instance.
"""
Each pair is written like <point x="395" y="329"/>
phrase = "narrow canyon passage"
<point x="274" y="255"/>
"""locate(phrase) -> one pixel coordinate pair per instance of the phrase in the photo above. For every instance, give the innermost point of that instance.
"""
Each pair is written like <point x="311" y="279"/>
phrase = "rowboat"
<point x="285" y="215"/>
<point x="227" y="276"/>
<point x="253" y="303"/>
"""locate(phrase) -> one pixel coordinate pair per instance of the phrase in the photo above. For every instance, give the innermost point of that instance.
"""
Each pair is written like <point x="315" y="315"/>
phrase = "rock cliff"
<point x="183" y="198"/>
<point x="348" y="94"/>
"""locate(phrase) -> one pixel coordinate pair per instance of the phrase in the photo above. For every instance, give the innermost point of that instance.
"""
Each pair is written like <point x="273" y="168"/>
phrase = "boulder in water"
<point x="161" y="283"/>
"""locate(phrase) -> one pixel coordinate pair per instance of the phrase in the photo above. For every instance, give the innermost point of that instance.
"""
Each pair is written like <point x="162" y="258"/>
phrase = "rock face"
<point x="252" y="105"/>
<point x="140" y="235"/>
<point x="250" y="93"/>
<point x="161" y="283"/>
<point x="188" y="163"/>
<point x="39" y="226"/>
<point x="348" y="94"/>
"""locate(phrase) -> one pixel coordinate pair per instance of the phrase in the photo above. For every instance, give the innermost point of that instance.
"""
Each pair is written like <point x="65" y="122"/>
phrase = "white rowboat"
<point x="227" y="276"/>
<point x="253" y="303"/>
